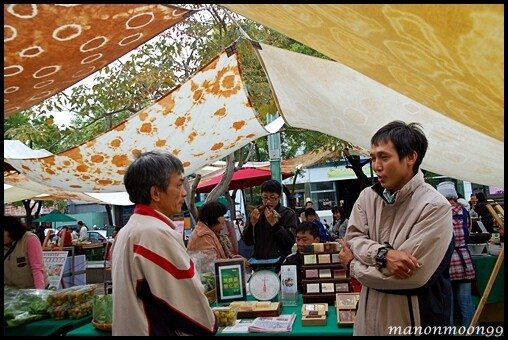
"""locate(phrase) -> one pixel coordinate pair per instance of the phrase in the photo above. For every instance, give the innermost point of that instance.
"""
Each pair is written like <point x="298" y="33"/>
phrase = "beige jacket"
<point x="420" y="222"/>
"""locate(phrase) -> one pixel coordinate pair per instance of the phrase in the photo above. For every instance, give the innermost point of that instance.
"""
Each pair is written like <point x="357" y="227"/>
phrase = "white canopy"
<point x="329" y="97"/>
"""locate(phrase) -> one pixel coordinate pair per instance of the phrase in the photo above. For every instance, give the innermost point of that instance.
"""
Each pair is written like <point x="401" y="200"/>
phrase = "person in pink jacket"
<point x="23" y="261"/>
<point x="205" y="235"/>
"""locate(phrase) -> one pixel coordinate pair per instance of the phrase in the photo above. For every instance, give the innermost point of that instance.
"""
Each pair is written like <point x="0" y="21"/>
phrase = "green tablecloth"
<point x="483" y="265"/>
<point x="47" y="327"/>
<point x="87" y="330"/>
<point x="331" y="327"/>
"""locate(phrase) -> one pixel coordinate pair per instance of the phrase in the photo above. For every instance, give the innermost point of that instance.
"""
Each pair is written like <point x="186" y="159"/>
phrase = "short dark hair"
<point x="480" y="196"/>
<point x="152" y="168"/>
<point x="271" y="185"/>
<point x="210" y="212"/>
<point x="407" y="138"/>
<point x="309" y="212"/>
<point x="341" y="211"/>
<point x="81" y="223"/>
<point x="308" y="227"/>
<point x="14" y="227"/>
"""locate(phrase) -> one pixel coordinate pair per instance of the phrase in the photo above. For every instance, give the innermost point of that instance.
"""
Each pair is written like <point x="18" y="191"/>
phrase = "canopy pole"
<point x="274" y="151"/>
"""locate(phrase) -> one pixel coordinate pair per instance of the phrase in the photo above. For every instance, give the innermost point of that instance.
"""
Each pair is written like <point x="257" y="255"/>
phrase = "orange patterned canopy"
<point x="203" y="120"/>
<point x="48" y="48"/>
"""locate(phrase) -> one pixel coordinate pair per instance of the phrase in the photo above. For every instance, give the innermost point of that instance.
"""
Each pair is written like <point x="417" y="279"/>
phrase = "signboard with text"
<point x="54" y="262"/>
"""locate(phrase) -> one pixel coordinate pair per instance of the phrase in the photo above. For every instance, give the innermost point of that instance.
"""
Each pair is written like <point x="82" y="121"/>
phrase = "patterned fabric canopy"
<point x="203" y="120"/>
<point x="346" y="104"/>
<point x="48" y="48"/>
<point x="449" y="57"/>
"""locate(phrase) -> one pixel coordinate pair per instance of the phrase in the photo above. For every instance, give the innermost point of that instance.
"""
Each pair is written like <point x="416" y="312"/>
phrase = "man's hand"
<point x="401" y="264"/>
<point x="272" y="216"/>
<point x="254" y="216"/>
<point x="345" y="255"/>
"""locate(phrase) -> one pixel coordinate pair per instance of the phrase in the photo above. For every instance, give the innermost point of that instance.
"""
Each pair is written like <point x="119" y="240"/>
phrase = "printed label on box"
<point x="342" y="287"/>
<point x="311" y="273"/>
<point x="339" y="273"/>
<point x="327" y="287"/>
<point x="312" y="288"/>
<point x="324" y="258"/>
<point x="309" y="259"/>
<point x="325" y="273"/>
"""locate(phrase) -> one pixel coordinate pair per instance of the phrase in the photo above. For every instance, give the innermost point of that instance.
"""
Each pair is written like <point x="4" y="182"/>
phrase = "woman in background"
<point x="339" y="222"/>
<point x="65" y="239"/>
<point x="50" y="241"/>
<point x="206" y="234"/>
<point x="23" y="262"/>
<point x="483" y="213"/>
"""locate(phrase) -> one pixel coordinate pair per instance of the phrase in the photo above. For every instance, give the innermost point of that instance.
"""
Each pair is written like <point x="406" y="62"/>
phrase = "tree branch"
<point x="190" y="199"/>
<point x="226" y="179"/>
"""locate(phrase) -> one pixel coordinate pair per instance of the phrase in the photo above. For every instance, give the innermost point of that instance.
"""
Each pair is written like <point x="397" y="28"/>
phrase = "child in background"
<point x="306" y="234"/>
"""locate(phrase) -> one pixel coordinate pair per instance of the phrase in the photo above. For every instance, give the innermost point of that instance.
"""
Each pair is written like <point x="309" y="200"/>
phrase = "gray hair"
<point x="152" y="168"/>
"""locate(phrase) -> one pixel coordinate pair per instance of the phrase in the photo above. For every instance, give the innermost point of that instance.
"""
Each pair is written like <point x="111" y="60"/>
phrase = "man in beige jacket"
<point x="399" y="241"/>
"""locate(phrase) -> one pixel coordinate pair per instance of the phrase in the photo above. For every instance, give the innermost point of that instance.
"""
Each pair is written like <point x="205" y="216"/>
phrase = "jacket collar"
<point x="143" y="209"/>
<point x="408" y="188"/>
<point x="202" y="229"/>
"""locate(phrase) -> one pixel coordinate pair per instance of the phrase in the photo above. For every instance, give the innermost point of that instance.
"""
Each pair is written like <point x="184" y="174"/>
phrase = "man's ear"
<point x="154" y="193"/>
<point x="411" y="158"/>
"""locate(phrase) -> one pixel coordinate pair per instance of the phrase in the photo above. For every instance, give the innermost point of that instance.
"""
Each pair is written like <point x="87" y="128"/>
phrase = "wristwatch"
<point x="381" y="258"/>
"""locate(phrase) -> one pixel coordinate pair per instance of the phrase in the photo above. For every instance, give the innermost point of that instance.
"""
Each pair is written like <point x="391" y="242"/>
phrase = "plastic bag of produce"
<point x="203" y="260"/>
<point x="24" y="305"/>
<point x="73" y="295"/>
<point x="81" y="310"/>
<point x="103" y="309"/>
<point x="60" y="312"/>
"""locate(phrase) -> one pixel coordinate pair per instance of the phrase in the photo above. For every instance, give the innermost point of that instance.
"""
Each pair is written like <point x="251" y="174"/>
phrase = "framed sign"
<point x="54" y="262"/>
<point x="230" y="280"/>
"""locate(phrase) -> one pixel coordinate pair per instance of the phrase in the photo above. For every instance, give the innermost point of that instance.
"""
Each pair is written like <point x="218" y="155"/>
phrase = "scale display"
<point x="264" y="285"/>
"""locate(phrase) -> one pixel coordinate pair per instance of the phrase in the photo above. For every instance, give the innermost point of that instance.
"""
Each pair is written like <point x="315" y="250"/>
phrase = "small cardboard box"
<point x="314" y="314"/>
<point x="320" y="308"/>
<point x="346" y="304"/>
<point x="347" y="300"/>
<point x="346" y="317"/>
<point x="313" y="320"/>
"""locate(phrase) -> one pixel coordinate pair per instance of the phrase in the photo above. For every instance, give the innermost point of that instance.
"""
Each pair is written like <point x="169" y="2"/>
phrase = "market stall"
<point x="331" y="327"/>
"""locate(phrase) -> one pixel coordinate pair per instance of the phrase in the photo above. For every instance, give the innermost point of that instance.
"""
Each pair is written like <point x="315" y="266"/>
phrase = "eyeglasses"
<point x="271" y="197"/>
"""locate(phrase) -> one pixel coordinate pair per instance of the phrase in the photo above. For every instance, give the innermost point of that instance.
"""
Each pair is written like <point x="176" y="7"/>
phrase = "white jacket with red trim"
<point x="156" y="289"/>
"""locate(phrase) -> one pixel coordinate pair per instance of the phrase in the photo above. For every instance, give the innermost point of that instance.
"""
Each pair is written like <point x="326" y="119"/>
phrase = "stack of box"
<point x="346" y="304"/>
<point x="323" y="276"/>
